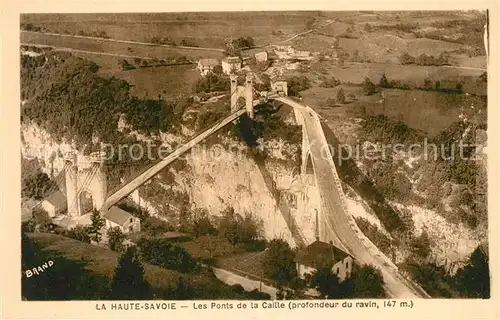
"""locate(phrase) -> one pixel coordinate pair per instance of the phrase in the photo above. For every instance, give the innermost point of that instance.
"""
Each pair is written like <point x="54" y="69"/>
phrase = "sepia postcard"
<point x="225" y="162"/>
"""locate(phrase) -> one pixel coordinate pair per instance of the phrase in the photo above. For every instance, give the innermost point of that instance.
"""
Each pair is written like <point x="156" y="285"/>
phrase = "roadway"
<point x="336" y="217"/>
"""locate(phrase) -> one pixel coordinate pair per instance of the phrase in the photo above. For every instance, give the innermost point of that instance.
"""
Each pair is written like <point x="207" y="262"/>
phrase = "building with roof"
<point x="55" y="204"/>
<point x="321" y="253"/>
<point x="261" y="56"/>
<point x="116" y="217"/>
<point x="207" y="65"/>
<point x="231" y="65"/>
<point x="279" y="87"/>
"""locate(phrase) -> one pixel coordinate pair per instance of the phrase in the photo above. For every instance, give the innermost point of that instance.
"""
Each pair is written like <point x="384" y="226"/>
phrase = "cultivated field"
<point x="205" y="29"/>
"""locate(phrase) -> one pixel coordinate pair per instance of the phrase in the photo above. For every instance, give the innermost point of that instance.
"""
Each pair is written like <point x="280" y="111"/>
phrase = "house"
<point x="322" y="253"/>
<point x="261" y="56"/>
<point x="231" y="65"/>
<point x="55" y="204"/>
<point x="207" y="65"/>
<point x="116" y="217"/>
<point x="279" y="87"/>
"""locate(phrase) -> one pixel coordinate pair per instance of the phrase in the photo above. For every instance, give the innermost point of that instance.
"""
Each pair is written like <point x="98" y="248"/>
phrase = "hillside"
<point x="73" y="258"/>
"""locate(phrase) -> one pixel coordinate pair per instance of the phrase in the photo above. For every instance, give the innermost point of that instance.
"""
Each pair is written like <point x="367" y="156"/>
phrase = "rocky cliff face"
<point x="264" y="181"/>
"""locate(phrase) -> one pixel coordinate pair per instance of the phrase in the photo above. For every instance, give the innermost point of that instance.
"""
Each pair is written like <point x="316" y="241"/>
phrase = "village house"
<point x="231" y="65"/>
<point x="321" y="253"/>
<point x="207" y="65"/>
<point x="279" y="87"/>
<point x="261" y="56"/>
<point x="116" y="217"/>
<point x="55" y="204"/>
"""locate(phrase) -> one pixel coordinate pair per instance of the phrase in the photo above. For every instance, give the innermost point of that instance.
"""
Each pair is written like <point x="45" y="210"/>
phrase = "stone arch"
<point x="86" y="201"/>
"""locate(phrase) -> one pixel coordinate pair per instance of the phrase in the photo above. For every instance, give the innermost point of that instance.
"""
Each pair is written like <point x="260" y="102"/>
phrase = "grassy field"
<point x="430" y="112"/>
<point x="102" y="261"/>
<point x="164" y="81"/>
<point x="98" y="45"/>
<point x="248" y="262"/>
<point x="205" y="29"/>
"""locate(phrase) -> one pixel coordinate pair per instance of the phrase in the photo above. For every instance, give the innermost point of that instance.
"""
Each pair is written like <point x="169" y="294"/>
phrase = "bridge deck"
<point x="339" y="225"/>
<point x="151" y="172"/>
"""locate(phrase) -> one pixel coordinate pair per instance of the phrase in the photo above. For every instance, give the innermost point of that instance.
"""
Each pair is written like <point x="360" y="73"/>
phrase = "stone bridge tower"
<point x="85" y="180"/>
<point x="245" y="91"/>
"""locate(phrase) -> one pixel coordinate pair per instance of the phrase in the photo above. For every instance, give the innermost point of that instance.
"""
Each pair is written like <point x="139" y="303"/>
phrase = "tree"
<point x="422" y="245"/>
<point x="369" y="87"/>
<point x="248" y="229"/>
<point x="483" y="77"/>
<point x="37" y="185"/>
<point x="336" y="43"/>
<point x="341" y="96"/>
<point x="368" y="27"/>
<point x="126" y="65"/>
<point x="96" y="226"/>
<point x="437" y="85"/>
<point x="201" y="223"/>
<point x="384" y="83"/>
<point x="163" y="253"/>
<point x="331" y="82"/>
<point x="296" y="84"/>
<point x="330" y="102"/>
<point x="217" y="69"/>
<point x="278" y="261"/>
<point x="356" y="56"/>
<point x="228" y="225"/>
<point x="405" y="58"/>
<point x="474" y="278"/>
<point x="367" y="282"/>
<point x="326" y="282"/>
<point x="209" y="243"/>
<point x="427" y="84"/>
<point x="128" y="280"/>
<point x="115" y="239"/>
<point x="212" y="82"/>
<point x="80" y="233"/>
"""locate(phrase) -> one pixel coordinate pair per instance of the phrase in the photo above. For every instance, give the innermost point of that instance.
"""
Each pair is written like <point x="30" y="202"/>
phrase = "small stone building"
<point x="116" y="217"/>
<point x="207" y="65"/>
<point x="279" y="87"/>
<point x="55" y="204"/>
<point x="231" y="65"/>
<point x="321" y="253"/>
<point x="261" y="56"/>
